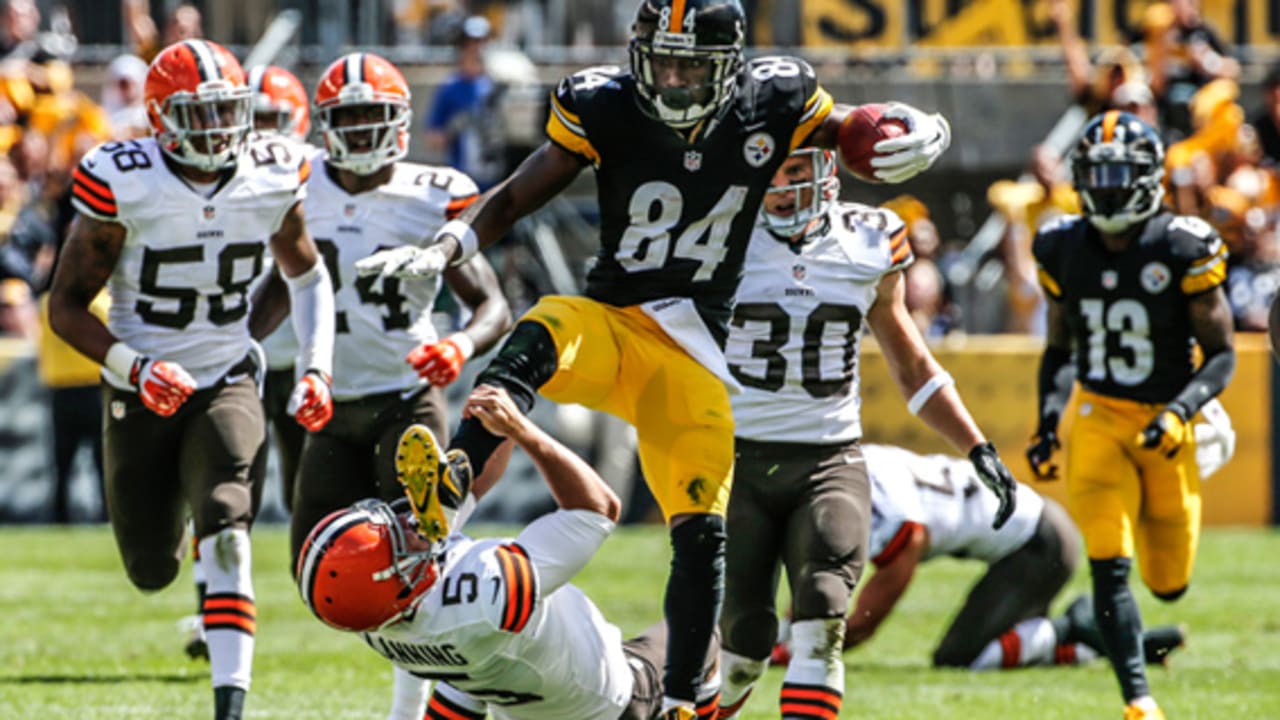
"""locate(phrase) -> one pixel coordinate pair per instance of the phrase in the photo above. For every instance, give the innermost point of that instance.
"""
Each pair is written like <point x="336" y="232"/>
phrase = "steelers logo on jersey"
<point x="758" y="148"/>
<point x="1155" y="277"/>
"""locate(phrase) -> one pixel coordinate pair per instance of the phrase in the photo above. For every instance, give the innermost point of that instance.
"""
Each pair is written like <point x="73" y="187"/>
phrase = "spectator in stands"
<point x="18" y="28"/>
<point x="1254" y="277"/>
<point x="76" y="408"/>
<point x="1182" y="54"/>
<point x="1205" y="157"/>
<point x="1092" y="84"/>
<point x="1135" y="97"/>
<point x="17" y="310"/>
<point x="462" y="125"/>
<point x="184" y="23"/>
<point x="122" y="97"/>
<point x="1267" y="121"/>
<point x="1025" y="205"/>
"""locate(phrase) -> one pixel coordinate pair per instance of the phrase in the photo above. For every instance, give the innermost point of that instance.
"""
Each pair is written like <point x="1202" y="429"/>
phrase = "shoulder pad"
<point x="1047" y="247"/>
<point x="283" y="162"/>
<point x="1197" y="243"/>
<point x="789" y="86"/>
<point x="113" y="173"/>
<point x="509" y="591"/>
<point x="575" y="95"/>
<point x="873" y="237"/>
<point x="450" y="191"/>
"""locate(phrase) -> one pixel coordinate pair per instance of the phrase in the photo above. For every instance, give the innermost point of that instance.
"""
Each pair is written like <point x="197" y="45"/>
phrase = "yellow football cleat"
<point x="421" y="469"/>
<point x="678" y="713"/>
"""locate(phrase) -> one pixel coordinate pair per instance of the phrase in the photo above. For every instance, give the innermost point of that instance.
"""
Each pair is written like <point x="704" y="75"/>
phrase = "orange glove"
<point x="311" y="402"/>
<point x="441" y="362"/>
<point x="162" y="386"/>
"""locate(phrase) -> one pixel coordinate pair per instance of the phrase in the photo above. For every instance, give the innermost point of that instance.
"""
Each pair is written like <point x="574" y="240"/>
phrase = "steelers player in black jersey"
<point x="1132" y="289"/>
<point x="684" y="145"/>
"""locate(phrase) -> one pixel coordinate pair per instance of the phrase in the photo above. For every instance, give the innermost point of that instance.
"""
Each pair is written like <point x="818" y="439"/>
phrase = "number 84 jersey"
<point x="1127" y="311"/>
<point x="794" y="336"/>
<point x="180" y="288"/>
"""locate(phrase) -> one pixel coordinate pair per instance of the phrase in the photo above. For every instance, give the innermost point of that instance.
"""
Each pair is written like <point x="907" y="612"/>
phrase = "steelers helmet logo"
<point x="1155" y="277"/>
<point x="758" y="149"/>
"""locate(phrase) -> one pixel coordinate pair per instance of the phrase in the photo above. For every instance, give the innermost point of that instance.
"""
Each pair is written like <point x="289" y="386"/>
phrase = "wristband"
<point x="464" y="343"/>
<point x="468" y="241"/>
<point x="926" y="391"/>
<point x="121" y="359"/>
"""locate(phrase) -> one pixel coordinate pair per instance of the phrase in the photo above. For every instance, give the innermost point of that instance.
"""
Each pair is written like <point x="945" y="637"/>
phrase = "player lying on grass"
<point x="495" y="622"/>
<point x="929" y="506"/>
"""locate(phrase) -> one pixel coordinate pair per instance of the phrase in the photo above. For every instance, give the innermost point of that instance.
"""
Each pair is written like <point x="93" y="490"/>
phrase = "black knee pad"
<point x="1172" y="594"/>
<point x="150" y="572"/>
<point x="527" y="360"/>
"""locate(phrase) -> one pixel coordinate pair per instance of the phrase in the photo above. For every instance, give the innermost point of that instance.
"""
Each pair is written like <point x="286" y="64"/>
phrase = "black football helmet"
<point x="1116" y="167"/>
<point x="699" y="40"/>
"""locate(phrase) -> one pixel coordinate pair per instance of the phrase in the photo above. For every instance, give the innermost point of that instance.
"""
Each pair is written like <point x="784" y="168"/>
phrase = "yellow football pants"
<point x="619" y="360"/>
<point x="1122" y="494"/>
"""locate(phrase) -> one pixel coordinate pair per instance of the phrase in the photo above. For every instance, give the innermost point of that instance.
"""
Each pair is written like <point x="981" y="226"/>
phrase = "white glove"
<point x="928" y="136"/>
<point x="405" y="261"/>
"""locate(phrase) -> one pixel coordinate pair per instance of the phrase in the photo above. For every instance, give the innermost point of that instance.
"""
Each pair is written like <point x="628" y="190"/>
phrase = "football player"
<point x="930" y="506"/>
<point x="683" y="146"/>
<point x="390" y="367"/>
<point x="495" y="622"/>
<point x="816" y="269"/>
<point x="1132" y="288"/>
<point x="279" y="107"/>
<point x="176" y="226"/>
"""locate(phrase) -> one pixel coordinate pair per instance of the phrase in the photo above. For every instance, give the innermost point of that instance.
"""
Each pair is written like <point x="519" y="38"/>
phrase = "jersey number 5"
<point x="655" y="208"/>
<point x="233" y="257"/>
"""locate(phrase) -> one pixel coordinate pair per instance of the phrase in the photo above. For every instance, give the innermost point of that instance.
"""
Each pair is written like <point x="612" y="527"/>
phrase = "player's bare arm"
<point x="84" y="265"/>
<point x="882" y="590"/>
<point x="291" y="246"/>
<point x="270" y="306"/>
<point x="573" y="483"/>
<point x="913" y="366"/>
<point x="539" y="178"/>
<point x="476" y="285"/>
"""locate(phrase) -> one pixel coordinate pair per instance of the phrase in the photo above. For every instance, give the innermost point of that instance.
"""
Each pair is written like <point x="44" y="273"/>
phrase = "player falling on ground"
<point x="684" y="146"/>
<point x="816" y="269"/>
<point x="494" y="622"/>
<point x="177" y="226"/>
<point x="930" y="506"/>
<point x="1132" y="288"/>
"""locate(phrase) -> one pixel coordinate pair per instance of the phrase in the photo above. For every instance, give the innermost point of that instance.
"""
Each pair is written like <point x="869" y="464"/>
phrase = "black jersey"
<point x="676" y="215"/>
<point x="1127" y="311"/>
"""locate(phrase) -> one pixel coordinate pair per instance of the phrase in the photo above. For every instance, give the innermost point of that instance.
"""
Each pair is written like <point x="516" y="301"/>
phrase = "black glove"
<point x="993" y="474"/>
<point x="1167" y="432"/>
<point x="1040" y="453"/>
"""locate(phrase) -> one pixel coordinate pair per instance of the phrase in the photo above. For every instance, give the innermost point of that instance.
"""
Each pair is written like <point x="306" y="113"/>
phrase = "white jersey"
<point x="944" y="494"/>
<point x="794" y="337"/>
<point x="502" y="624"/>
<point x="380" y="320"/>
<point x="180" y="289"/>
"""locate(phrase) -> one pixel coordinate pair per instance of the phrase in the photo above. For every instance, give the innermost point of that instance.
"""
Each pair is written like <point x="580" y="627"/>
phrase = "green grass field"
<point x="77" y="641"/>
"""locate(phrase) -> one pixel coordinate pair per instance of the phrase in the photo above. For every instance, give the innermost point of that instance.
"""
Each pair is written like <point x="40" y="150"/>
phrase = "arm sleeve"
<point x="1054" y="385"/>
<point x="561" y="543"/>
<point x="313" y="311"/>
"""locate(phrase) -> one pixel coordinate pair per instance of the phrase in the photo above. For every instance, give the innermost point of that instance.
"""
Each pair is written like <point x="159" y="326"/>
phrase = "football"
<point x="859" y="133"/>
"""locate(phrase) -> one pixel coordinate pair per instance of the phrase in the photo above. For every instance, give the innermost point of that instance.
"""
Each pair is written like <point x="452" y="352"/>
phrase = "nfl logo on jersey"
<point x="693" y="161"/>
<point x="208" y="212"/>
<point x="797" y="272"/>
